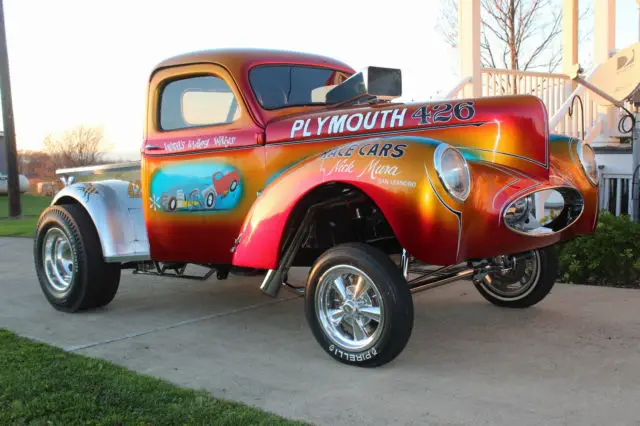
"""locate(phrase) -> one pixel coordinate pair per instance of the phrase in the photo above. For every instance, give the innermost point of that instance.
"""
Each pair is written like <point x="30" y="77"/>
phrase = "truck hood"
<point x="511" y="130"/>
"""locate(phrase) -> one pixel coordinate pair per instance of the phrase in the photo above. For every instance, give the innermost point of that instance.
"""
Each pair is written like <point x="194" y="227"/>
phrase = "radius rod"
<point x="433" y="282"/>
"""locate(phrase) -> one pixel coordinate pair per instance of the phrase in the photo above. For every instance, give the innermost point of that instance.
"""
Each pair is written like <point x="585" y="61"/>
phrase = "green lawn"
<point x="32" y="206"/>
<point x="43" y="385"/>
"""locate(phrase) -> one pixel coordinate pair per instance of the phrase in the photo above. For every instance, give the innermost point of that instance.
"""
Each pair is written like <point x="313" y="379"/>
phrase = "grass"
<point x="32" y="206"/>
<point x="43" y="385"/>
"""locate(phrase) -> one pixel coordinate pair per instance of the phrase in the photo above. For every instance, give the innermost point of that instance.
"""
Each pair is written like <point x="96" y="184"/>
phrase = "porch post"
<point x="604" y="43"/>
<point x="469" y="22"/>
<point x="569" y="39"/>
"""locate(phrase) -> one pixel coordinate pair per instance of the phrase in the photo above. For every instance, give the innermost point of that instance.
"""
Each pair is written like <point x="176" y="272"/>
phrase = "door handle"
<point x="151" y="147"/>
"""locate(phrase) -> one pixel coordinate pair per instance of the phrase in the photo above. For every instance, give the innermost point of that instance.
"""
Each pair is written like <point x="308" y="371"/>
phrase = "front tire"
<point x="69" y="261"/>
<point x="527" y="282"/>
<point x="358" y="305"/>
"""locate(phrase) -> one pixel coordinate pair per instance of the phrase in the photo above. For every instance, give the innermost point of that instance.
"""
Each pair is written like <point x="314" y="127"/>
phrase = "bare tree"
<point x="515" y="34"/>
<point x="77" y="147"/>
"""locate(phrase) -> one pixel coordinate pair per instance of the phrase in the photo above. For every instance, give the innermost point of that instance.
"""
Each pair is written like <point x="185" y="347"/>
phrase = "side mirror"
<point x="383" y="83"/>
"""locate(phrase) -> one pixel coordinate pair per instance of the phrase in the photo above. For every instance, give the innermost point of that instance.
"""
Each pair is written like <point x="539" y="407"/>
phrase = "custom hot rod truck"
<point x="256" y="161"/>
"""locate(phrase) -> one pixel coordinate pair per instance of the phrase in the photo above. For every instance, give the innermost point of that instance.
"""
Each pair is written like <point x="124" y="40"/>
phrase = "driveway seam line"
<point x="74" y="348"/>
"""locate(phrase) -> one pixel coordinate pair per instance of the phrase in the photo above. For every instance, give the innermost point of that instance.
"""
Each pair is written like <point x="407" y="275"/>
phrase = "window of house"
<point x="197" y="101"/>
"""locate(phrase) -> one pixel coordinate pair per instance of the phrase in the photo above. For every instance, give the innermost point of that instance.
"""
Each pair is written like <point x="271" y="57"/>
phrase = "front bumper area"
<point x="512" y="212"/>
<point x="544" y="212"/>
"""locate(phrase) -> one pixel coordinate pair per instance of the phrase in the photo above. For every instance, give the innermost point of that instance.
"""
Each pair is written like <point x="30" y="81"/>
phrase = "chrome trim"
<point x="67" y="176"/>
<point x="437" y="160"/>
<point x="118" y="218"/>
<point x="405" y="264"/>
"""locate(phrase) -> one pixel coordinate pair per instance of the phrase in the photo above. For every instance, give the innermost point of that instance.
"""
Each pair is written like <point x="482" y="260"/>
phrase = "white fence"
<point x="615" y="194"/>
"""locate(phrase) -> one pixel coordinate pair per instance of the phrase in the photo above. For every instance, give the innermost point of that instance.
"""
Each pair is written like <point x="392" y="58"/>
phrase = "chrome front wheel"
<point x="358" y="305"/>
<point x="519" y="281"/>
<point x="350" y="307"/>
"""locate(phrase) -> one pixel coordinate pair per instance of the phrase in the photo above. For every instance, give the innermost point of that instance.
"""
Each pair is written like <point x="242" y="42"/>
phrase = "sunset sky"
<point x="88" y="61"/>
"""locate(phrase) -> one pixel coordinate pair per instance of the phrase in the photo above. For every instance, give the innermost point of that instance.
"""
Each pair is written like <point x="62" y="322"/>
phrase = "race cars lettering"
<point x="348" y="123"/>
<point x="443" y="113"/>
<point x="385" y="150"/>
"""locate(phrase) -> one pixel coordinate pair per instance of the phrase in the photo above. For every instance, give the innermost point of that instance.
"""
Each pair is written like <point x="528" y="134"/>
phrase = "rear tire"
<point x="503" y="291"/>
<point x="349" y="286"/>
<point x="69" y="261"/>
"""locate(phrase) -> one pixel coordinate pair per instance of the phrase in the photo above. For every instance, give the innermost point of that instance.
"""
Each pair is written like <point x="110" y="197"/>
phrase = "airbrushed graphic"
<point x="200" y="187"/>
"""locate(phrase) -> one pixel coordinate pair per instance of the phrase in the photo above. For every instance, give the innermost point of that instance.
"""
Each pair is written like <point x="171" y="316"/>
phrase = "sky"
<point x="87" y="61"/>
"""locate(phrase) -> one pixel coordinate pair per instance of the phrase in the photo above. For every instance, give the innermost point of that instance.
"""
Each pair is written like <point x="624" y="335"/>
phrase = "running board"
<point x="145" y="268"/>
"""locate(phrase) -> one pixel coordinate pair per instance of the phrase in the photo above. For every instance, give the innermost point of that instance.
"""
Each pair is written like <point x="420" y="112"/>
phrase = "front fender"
<point x="115" y="207"/>
<point x="396" y="173"/>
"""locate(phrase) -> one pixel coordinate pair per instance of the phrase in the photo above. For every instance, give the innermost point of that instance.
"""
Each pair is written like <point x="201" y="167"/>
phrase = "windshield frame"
<point x="347" y="72"/>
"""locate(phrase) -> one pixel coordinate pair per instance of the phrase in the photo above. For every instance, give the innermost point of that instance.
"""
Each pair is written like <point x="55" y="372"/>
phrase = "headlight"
<point x="518" y="210"/>
<point x="453" y="171"/>
<point x="588" y="162"/>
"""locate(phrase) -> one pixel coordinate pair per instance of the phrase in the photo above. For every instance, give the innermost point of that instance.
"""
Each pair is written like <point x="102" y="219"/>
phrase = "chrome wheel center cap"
<point x="350" y="308"/>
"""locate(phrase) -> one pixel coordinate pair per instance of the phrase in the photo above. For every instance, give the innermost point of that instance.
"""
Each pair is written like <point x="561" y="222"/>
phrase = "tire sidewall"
<point x="381" y="281"/>
<point x="72" y="297"/>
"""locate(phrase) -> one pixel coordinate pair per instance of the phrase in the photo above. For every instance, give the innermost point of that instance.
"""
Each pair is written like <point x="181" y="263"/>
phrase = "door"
<point x="202" y="164"/>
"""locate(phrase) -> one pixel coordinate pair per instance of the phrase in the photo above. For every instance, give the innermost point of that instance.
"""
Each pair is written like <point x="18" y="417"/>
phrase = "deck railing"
<point x="566" y="102"/>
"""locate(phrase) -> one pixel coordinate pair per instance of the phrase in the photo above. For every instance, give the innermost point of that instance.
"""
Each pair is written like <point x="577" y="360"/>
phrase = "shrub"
<point x="609" y="256"/>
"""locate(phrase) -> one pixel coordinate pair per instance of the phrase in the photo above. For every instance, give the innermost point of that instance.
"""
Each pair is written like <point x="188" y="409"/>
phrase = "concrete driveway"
<point x="573" y="359"/>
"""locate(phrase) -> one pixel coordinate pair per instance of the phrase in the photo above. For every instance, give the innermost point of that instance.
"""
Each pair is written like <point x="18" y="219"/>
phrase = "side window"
<point x="197" y="101"/>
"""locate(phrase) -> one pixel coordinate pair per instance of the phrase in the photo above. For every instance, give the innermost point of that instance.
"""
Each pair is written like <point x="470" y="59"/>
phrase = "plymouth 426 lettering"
<point x="247" y="171"/>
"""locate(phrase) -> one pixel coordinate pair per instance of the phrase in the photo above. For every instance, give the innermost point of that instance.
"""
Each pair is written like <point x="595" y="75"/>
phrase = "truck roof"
<point x="242" y="59"/>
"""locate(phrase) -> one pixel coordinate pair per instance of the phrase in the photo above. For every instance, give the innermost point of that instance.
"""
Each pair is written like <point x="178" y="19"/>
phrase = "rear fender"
<point x="115" y="207"/>
<point x="392" y="172"/>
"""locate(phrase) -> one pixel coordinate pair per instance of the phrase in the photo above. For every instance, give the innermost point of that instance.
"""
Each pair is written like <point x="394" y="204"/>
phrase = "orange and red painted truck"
<point x="257" y="161"/>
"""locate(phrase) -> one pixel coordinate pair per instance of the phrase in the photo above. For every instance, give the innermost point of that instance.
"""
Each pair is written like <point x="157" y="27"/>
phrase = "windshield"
<point x="279" y="86"/>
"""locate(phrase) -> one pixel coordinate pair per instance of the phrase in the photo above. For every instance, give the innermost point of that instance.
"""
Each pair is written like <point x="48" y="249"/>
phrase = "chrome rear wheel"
<point x="58" y="260"/>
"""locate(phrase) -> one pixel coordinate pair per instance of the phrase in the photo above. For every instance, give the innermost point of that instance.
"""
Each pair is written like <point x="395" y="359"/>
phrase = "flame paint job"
<point x="385" y="150"/>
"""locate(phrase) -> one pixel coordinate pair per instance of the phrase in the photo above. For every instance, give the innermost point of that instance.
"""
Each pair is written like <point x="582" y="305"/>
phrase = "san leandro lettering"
<point x="348" y="123"/>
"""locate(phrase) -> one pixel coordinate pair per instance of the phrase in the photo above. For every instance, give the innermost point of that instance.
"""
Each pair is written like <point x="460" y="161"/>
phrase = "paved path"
<point x="574" y="359"/>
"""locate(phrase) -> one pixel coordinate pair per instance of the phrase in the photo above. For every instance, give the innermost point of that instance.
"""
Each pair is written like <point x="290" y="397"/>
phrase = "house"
<point x="605" y="126"/>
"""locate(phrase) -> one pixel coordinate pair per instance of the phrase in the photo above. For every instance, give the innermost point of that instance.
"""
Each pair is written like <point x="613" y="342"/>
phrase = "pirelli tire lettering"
<point x="352" y="357"/>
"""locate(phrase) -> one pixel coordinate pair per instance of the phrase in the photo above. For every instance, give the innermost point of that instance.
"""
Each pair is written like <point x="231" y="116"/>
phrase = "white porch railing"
<point x="557" y="92"/>
<point x="551" y="88"/>
<point x="615" y="194"/>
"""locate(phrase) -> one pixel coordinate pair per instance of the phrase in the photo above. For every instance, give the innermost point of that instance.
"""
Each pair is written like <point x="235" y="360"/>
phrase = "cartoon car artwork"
<point x="222" y="184"/>
<point x="379" y="199"/>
